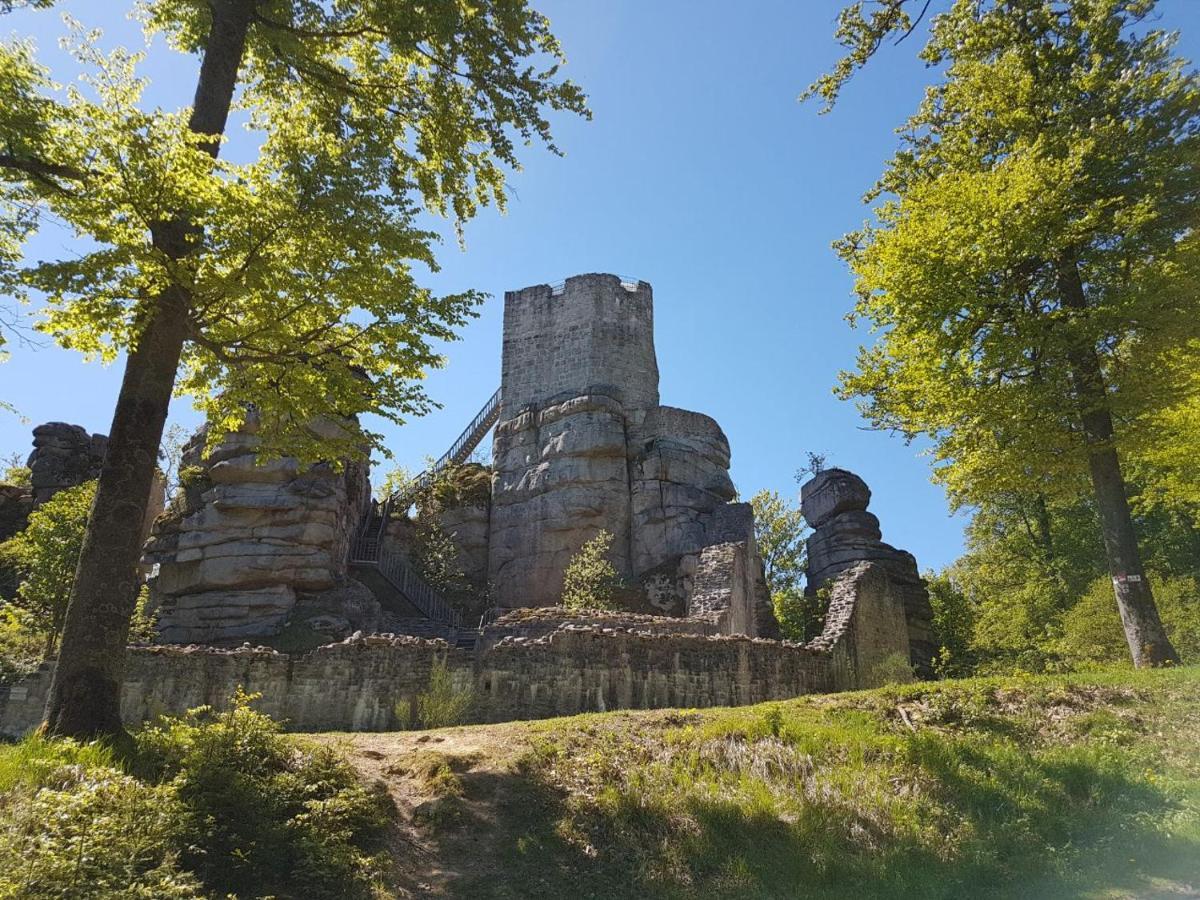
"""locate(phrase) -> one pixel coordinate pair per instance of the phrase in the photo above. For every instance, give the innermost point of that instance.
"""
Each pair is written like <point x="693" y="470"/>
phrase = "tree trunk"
<point x="1144" y="632"/>
<point x="84" y="699"/>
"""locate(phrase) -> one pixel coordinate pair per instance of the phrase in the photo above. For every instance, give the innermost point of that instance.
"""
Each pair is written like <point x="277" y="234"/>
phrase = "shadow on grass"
<point x="1065" y="823"/>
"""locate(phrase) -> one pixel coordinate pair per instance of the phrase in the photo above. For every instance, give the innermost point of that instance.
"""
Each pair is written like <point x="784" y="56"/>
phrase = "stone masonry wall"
<point x="593" y="330"/>
<point x="582" y="666"/>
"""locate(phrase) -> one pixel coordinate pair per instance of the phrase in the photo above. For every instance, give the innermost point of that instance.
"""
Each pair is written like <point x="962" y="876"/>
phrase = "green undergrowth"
<point x="1074" y="786"/>
<point x="208" y="805"/>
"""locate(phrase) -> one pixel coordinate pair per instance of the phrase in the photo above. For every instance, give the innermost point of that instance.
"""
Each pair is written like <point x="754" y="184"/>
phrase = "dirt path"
<point x="455" y="791"/>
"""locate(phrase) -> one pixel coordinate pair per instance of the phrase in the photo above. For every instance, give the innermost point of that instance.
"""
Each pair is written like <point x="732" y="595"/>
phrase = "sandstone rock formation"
<point x="16" y="502"/>
<point x="63" y="456"/>
<point x="583" y="446"/>
<point x="246" y="541"/>
<point x="834" y="503"/>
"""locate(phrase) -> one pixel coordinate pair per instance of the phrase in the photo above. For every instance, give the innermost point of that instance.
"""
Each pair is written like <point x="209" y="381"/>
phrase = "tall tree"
<point x="1034" y="231"/>
<point x="779" y="533"/>
<point x="285" y="281"/>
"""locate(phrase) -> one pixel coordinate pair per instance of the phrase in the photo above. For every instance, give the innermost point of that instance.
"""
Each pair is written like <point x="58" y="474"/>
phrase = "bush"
<point x="213" y="804"/>
<point x="953" y="625"/>
<point x="444" y="704"/>
<point x="20" y="646"/>
<point x="1092" y="631"/>
<point x="266" y="813"/>
<point x="892" y="669"/>
<point x="590" y="581"/>
<point x="76" y="826"/>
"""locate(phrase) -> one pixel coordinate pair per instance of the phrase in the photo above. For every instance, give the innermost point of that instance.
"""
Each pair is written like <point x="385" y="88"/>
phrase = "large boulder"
<point x="63" y="456"/>
<point x="246" y="538"/>
<point x="845" y="535"/>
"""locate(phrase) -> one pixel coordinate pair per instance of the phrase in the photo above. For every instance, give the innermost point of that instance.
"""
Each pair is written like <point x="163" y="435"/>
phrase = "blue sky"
<point x="699" y="173"/>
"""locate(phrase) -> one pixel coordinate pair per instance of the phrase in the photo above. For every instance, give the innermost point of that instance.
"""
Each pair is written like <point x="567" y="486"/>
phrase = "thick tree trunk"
<point x="1144" y="632"/>
<point x="84" y="699"/>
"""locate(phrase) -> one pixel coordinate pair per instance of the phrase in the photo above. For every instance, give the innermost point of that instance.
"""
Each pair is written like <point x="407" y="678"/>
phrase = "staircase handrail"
<point x="419" y="592"/>
<point x="459" y="451"/>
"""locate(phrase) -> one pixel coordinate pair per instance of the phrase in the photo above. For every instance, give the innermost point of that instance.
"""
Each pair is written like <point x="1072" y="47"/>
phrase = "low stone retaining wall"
<point x="362" y="683"/>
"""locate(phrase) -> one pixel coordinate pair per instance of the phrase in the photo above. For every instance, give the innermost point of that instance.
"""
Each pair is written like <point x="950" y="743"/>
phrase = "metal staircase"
<point x="369" y="552"/>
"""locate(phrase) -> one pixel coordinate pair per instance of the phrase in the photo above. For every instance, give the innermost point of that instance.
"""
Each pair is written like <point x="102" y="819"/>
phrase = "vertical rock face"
<point x="679" y="475"/>
<point x="561" y="477"/>
<point x="63" y="456"/>
<point x="246" y="540"/>
<point x="834" y="503"/>
<point x="583" y="447"/>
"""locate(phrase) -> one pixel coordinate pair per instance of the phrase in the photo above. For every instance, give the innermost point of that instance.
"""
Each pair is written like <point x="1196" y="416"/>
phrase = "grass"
<point x="1065" y="786"/>
<point x="211" y="804"/>
<point x="1072" y="786"/>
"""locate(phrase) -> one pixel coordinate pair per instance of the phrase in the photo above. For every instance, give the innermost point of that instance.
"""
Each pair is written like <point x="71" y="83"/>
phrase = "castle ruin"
<point x="581" y="445"/>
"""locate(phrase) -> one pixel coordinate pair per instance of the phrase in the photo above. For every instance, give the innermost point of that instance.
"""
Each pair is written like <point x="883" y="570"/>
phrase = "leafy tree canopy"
<point x="1057" y="132"/>
<point x="301" y="262"/>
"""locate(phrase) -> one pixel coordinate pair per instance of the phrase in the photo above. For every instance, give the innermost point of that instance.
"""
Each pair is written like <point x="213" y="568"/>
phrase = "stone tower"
<point x="591" y="331"/>
<point x="583" y="446"/>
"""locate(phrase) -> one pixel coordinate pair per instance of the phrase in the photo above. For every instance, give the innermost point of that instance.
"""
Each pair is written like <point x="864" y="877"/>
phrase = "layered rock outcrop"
<point x="63" y="456"/>
<point x="834" y="503"/>
<point x="246" y="540"/>
<point x="561" y="477"/>
<point x="583" y="446"/>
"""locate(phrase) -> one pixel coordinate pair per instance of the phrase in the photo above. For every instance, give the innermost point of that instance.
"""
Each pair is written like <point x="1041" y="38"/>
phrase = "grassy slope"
<point x="1014" y="787"/>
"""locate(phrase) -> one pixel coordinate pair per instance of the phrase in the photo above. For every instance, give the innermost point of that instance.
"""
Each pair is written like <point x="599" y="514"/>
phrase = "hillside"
<point x="1080" y="786"/>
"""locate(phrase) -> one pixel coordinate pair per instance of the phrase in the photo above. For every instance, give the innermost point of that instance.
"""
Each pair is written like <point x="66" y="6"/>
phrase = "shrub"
<point x="76" y="826"/>
<point x="444" y="704"/>
<point x="20" y="646"/>
<point x="801" y="616"/>
<point x="953" y="625"/>
<point x="1092" y="631"/>
<point x="47" y="552"/>
<point x="894" y="668"/>
<point x="266" y="814"/>
<point x="14" y="471"/>
<point x="143" y="626"/>
<point x="590" y="581"/>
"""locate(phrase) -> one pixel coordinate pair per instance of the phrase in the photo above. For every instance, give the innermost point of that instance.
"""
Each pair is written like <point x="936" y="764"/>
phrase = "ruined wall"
<point x="518" y="671"/>
<point x="834" y="503"/>
<point x="247" y="540"/>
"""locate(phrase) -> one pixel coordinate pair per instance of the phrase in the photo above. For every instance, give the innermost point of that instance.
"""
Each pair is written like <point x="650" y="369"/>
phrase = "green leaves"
<point x="302" y="261"/>
<point x="46" y="553"/>
<point x="1056" y="131"/>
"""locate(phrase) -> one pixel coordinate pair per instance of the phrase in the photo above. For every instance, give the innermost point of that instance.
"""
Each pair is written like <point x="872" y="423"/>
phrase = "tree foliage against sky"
<point x="1031" y="264"/>
<point x="303" y="261"/>
<point x="779" y="535"/>
<point x="286" y="281"/>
